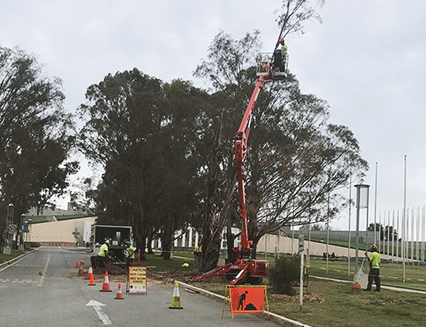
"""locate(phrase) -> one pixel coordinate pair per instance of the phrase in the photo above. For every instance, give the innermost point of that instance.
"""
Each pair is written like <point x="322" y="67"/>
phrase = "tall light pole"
<point x="362" y="192"/>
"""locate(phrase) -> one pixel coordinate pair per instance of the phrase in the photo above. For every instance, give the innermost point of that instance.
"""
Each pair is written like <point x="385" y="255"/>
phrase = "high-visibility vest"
<point x="284" y="49"/>
<point x="131" y="251"/>
<point x="375" y="260"/>
<point x="102" y="250"/>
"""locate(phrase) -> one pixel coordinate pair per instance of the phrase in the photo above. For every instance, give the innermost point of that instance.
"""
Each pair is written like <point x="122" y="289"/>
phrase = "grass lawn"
<point x="345" y="307"/>
<point x="391" y="274"/>
<point x="156" y="263"/>
<point x="14" y="254"/>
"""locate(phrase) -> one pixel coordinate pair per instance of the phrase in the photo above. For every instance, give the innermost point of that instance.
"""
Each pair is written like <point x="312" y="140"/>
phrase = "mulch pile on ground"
<point x="112" y="270"/>
<point x="306" y="297"/>
<point x="169" y="277"/>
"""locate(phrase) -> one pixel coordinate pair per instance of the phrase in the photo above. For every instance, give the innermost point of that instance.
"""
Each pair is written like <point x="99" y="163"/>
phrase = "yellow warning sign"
<point x="136" y="280"/>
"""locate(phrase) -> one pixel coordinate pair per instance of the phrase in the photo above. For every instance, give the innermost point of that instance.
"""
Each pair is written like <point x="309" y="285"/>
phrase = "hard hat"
<point x="373" y="247"/>
<point x="281" y="40"/>
<point x="106" y="241"/>
<point x="185" y="264"/>
<point x="127" y="243"/>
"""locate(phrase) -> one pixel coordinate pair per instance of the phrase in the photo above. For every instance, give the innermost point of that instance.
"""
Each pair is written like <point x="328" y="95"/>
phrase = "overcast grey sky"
<point x="367" y="60"/>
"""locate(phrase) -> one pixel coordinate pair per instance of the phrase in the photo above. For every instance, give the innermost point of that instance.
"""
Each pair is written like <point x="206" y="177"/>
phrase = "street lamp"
<point x="362" y="192"/>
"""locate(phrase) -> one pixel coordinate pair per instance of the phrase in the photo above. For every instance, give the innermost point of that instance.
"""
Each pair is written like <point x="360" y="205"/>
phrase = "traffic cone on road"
<point x="82" y="261"/>
<point x="105" y="284"/>
<point x="176" y="298"/>
<point x="90" y="272"/>
<point x="76" y="264"/>
<point x="81" y="271"/>
<point x="92" y="280"/>
<point x="119" y="295"/>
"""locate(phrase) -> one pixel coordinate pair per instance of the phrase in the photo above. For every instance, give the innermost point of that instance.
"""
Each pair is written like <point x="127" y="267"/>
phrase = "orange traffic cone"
<point x="90" y="272"/>
<point x="176" y="298"/>
<point x="92" y="280"/>
<point x="119" y="295"/>
<point x="105" y="284"/>
<point x="76" y="264"/>
<point x="81" y="271"/>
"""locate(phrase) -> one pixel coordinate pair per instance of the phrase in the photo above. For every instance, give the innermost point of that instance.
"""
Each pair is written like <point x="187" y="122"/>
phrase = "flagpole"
<point x="375" y="206"/>
<point x="404" y="219"/>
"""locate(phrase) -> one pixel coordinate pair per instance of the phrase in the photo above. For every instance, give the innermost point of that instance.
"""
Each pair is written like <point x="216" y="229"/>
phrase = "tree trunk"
<point x="229" y="236"/>
<point x="141" y="233"/>
<point x="210" y="251"/>
<point x="167" y="238"/>
<point x="149" y="245"/>
<point x="211" y="244"/>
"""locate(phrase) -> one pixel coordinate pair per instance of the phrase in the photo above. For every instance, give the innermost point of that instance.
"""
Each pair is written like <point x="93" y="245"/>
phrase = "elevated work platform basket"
<point x="280" y="67"/>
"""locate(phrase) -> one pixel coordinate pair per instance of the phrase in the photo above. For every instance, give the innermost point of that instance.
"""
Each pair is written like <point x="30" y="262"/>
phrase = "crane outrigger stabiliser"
<point x="242" y="268"/>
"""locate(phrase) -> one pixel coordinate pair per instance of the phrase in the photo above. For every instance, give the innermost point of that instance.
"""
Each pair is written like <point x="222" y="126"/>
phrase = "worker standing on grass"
<point x="130" y="253"/>
<point x="197" y="256"/>
<point x="374" y="273"/>
<point x="103" y="254"/>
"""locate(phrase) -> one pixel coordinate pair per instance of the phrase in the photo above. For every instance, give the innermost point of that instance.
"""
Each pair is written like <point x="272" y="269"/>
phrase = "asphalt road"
<point x="43" y="289"/>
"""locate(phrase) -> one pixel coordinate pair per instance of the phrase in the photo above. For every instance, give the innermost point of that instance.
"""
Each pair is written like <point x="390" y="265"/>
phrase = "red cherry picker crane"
<point x="242" y="268"/>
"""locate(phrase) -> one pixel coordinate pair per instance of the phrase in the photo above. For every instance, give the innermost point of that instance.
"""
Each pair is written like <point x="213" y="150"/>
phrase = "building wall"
<point x="59" y="233"/>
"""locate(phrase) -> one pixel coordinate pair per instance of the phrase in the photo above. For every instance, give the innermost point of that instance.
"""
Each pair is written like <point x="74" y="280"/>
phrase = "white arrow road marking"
<point x="101" y="314"/>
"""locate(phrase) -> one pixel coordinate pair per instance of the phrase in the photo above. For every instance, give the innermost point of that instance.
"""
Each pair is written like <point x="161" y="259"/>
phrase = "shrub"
<point x="284" y="274"/>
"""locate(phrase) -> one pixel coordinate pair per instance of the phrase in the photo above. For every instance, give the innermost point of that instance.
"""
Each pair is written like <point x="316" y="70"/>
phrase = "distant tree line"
<point x="36" y="137"/>
<point x="385" y="232"/>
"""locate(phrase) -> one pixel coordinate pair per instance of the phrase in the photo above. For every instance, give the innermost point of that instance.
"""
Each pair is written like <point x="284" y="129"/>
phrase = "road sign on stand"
<point x="136" y="280"/>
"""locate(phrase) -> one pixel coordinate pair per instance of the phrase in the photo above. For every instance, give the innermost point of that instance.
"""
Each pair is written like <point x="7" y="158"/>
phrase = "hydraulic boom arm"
<point x="240" y="155"/>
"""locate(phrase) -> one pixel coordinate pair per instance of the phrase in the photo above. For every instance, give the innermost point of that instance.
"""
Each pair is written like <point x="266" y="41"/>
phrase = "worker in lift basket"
<point x="374" y="273"/>
<point x="280" y="56"/>
<point x="284" y="48"/>
<point x="103" y="254"/>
